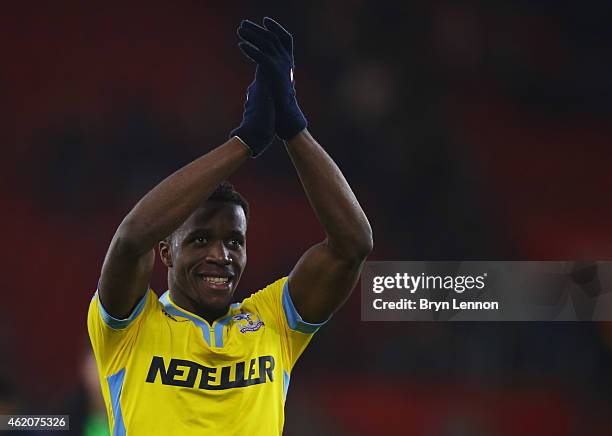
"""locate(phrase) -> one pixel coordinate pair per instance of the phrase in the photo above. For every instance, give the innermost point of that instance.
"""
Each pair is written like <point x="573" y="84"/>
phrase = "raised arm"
<point x="326" y="274"/>
<point x="128" y="265"/>
<point x="127" y="268"/>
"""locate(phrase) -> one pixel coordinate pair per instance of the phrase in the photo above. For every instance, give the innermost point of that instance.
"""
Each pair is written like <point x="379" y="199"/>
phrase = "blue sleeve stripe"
<point x="115" y="386"/>
<point x="119" y="324"/>
<point x="294" y="319"/>
<point x="286" y="379"/>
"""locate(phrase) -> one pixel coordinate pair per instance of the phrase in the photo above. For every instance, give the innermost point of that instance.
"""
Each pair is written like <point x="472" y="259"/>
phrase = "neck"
<point x="208" y="313"/>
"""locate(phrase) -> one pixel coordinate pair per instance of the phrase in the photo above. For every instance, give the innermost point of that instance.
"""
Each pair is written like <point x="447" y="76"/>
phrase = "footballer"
<point x="191" y="362"/>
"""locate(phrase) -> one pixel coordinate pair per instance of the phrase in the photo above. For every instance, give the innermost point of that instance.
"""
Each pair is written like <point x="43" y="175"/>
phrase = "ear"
<point x="165" y="253"/>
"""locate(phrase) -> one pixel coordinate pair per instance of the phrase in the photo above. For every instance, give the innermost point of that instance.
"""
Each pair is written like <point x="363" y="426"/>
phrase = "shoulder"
<point x="148" y="304"/>
<point x="268" y="300"/>
<point x="113" y="339"/>
<point x="274" y="301"/>
<point x="268" y="294"/>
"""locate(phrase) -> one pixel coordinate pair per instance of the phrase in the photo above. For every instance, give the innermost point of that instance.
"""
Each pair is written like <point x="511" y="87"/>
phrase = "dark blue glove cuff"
<point x="290" y="119"/>
<point x="257" y="127"/>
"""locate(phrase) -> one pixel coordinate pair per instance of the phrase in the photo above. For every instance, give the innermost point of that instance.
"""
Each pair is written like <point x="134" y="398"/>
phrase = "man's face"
<point x="207" y="255"/>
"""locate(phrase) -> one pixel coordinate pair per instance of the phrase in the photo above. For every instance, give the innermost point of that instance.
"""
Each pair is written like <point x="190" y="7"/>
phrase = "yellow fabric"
<point x="174" y="382"/>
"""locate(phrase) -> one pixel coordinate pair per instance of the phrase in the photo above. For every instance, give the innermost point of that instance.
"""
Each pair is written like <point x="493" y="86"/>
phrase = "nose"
<point x="218" y="254"/>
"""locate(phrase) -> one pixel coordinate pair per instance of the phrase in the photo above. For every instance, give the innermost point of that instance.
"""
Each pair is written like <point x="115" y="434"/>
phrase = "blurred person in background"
<point x="86" y="407"/>
<point x="8" y="397"/>
<point x="191" y="362"/>
<point x="10" y="404"/>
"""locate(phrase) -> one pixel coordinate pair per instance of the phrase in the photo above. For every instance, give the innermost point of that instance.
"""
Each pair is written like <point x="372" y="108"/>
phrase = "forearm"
<point x="170" y="203"/>
<point x="346" y="226"/>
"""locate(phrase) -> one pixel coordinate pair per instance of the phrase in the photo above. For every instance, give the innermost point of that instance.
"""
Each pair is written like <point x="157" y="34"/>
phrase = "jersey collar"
<point x="174" y="309"/>
<point x="208" y="332"/>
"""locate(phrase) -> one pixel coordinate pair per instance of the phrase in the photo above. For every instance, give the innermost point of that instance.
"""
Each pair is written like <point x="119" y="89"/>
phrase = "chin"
<point x="216" y="303"/>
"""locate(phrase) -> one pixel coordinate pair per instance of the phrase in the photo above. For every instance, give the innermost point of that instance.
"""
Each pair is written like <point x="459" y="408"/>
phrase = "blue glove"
<point x="271" y="47"/>
<point x="257" y="127"/>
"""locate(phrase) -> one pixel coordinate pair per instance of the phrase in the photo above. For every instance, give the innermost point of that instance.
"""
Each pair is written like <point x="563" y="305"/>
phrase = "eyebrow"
<point x="208" y="230"/>
<point x="198" y="230"/>
<point x="235" y="233"/>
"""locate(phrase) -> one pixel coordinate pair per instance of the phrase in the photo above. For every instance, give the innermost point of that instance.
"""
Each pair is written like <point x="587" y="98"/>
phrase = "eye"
<point x="201" y="240"/>
<point x="236" y="242"/>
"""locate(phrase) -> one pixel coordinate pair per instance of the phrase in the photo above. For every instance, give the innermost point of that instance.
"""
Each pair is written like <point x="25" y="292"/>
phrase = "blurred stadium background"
<point x="469" y="130"/>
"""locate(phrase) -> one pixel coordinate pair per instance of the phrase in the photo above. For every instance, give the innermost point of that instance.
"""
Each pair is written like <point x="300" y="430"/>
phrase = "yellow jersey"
<point x="166" y="371"/>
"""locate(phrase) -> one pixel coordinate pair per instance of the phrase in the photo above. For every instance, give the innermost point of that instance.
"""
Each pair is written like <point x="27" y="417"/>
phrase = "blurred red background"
<point x="472" y="130"/>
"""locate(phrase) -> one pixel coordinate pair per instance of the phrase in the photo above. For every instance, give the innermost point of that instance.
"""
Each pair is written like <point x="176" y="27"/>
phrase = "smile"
<point x="215" y="282"/>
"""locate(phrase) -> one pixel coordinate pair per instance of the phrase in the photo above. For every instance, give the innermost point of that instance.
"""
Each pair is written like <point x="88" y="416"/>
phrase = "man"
<point x="190" y="362"/>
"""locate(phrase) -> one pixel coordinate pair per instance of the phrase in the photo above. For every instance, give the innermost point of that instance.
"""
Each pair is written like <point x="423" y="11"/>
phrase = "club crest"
<point x="246" y="322"/>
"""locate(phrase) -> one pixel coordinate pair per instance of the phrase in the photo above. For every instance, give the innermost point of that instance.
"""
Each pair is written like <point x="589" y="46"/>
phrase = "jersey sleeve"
<point x="274" y="302"/>
<point x="112" y="339"/>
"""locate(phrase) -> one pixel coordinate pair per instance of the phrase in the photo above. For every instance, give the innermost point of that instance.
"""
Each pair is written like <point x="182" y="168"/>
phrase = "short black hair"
<point x="225" y="193"/>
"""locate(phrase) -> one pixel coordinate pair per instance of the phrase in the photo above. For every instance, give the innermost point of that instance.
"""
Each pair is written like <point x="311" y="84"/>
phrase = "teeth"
<point x="216" y="280"/>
